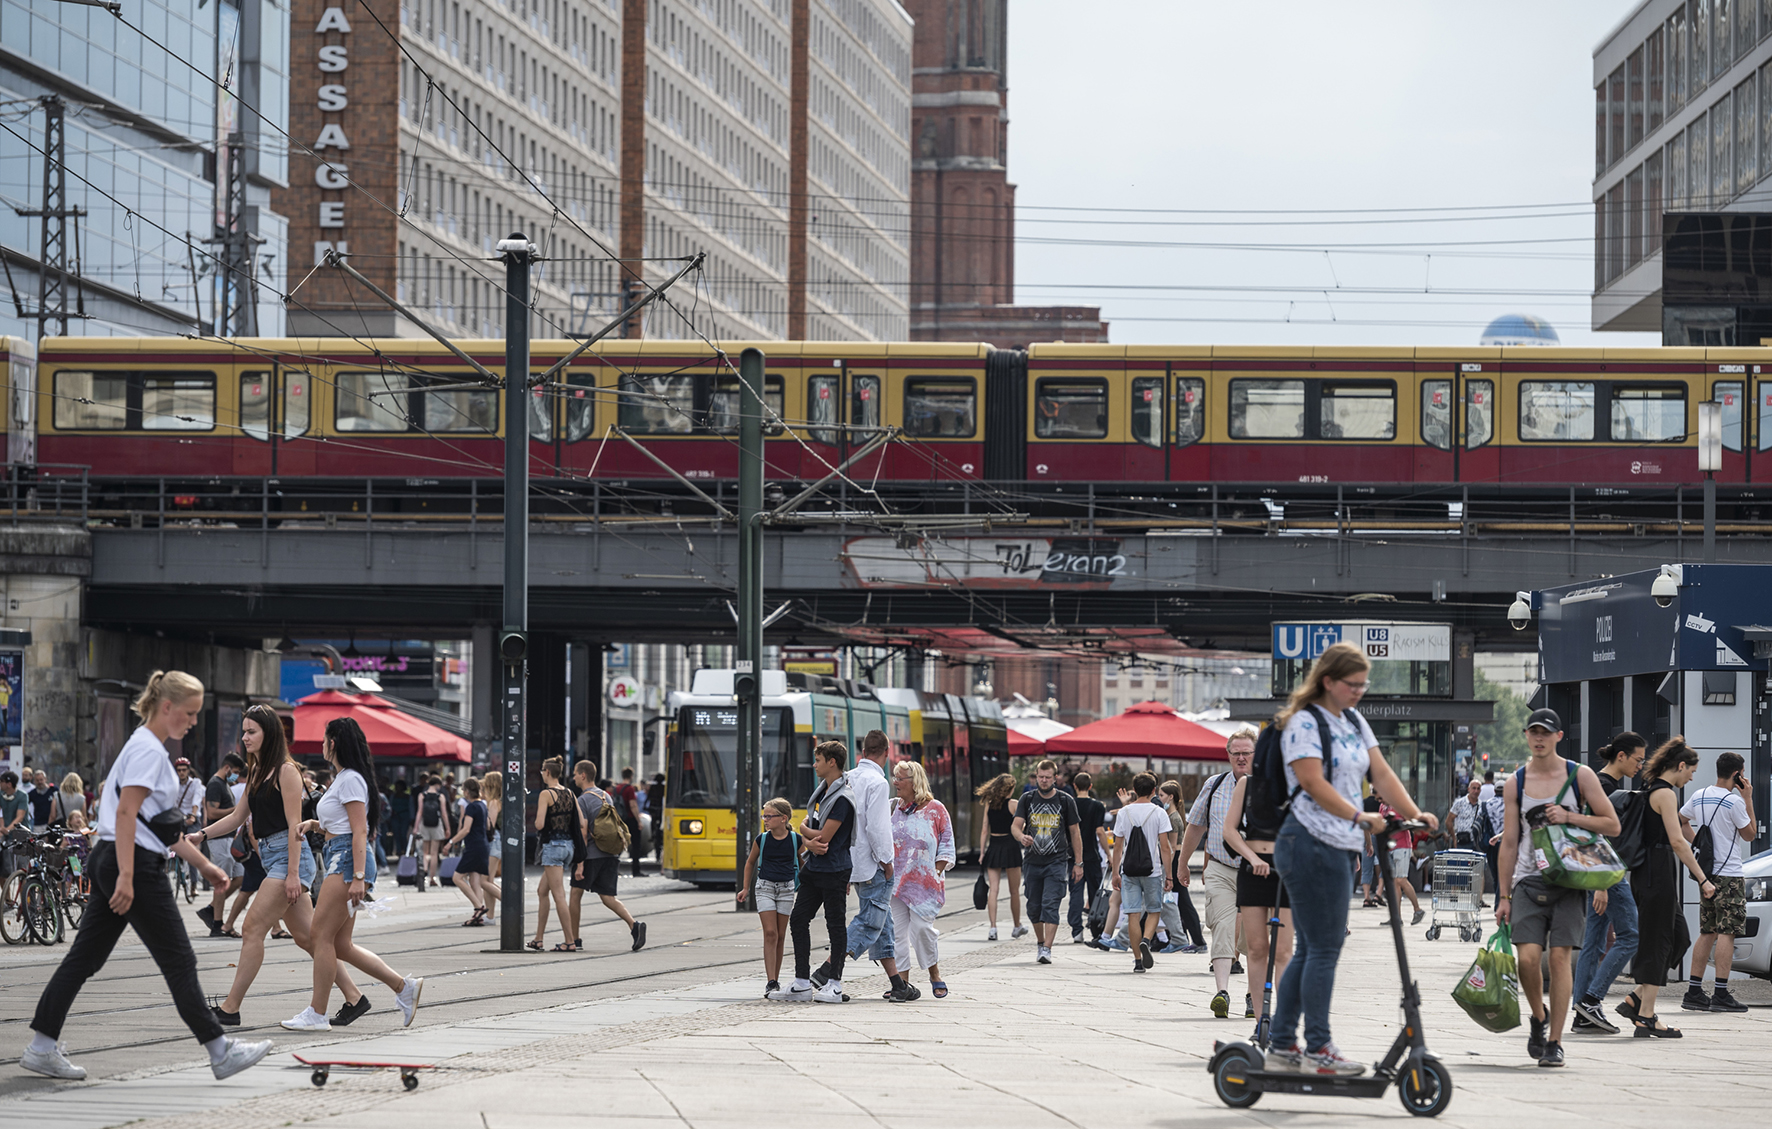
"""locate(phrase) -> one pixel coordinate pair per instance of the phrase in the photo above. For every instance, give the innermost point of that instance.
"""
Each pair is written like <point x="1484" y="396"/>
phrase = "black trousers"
<point x="829" y="890"/>
<point x="1085" y="889"/>
<point x="155" y="918"/>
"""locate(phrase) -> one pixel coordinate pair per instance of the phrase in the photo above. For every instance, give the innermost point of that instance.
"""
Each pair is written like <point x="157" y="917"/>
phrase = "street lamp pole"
<point x="513" y="643"/>
<point x="1710" y="460"/>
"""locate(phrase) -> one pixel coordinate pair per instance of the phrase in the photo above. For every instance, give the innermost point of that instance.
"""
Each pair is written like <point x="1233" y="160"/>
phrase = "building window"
<point x="1633" y="217"/>
<point x="1600" y="128"/>
<point x="1655" y="64"/>
<point x="1676" y="173"/>
<point x="1722" y="152"/>
<point x="1746" y="17"/>
<point x="1634" y="79"/>
<point x="1615" y="117"/>
<point x="1698" y="67"/>
<point x="1556" y="410"/>
<point x="1764" y="126"/>
<point x="1652" y="204"/>
<point x="1615" y="231"/>
<point x="1721" y="53"/>
<point x="1675" y="36"/>
<point x="1698" y="166"/>
<point x="1747" y="134"/>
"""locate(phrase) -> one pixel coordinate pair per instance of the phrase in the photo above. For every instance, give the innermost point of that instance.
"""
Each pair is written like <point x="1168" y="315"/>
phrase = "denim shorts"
<point x="1141" y="894"/>
<point x="556" y="852"/>
<point x="339" y="862"/>
<point x="273" y="854"/>
<point x="775" y="897"/>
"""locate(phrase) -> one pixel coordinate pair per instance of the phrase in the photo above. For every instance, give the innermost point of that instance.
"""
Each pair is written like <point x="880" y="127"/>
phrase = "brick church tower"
<point x="962" y="204"/>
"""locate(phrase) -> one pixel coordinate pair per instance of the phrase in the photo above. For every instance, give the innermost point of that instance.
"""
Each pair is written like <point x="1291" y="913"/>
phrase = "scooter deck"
<point x="1266" y="1082"/>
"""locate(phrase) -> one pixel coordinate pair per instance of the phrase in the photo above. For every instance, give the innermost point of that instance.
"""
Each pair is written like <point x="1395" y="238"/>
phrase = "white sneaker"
<point x="793" y="995"/>
<point x="308" y="1020"/>
<point x="1326" y="1059"/>
<point x="1283" y="1061"/>
<point x="831" y="993"/>
<point x="53" y="1063"/>
<point x="408" y="999"/>
<point x="1019" y="931"/>
<point x="242" y="1055"/>
<point x="992" y="935"/>
<point x="1043" y="955"/>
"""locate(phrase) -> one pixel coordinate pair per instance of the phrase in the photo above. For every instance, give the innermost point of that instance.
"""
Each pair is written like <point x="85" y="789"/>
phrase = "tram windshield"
<point x="703" y="772"/>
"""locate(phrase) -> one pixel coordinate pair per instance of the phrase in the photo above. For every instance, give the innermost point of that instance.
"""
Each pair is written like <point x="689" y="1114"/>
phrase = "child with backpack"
<point x="773" y="870"/>
<point x="432" y="824"/>
<point x="1143" y="848"/>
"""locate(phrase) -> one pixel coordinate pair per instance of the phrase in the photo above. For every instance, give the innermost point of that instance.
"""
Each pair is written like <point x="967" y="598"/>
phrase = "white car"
<point x="1753" y="952"/>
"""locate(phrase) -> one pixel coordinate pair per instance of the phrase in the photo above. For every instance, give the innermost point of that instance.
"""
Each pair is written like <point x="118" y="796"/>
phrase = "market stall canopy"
<point x="1024" y="744"/>
<point x="1149" y="729"/>
<point x="392" y="734"/>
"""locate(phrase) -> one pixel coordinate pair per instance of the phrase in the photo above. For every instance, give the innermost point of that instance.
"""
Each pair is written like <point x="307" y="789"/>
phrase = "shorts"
<point x="1726" y="913"/>
<point x="555" y="852"/>
<point x="1551" y="917"/>
<point x="432" y="834"/>
<point x="1401" y="860"/>
<point x="775" y="897"/>
<point x="273" y="854"/>
<point x="220" y="855"/>
<point x="338" y="860"/>
<point x="1045" y="881"/>
<point x="600" y="875"/>
<point x="1258" y="892"/>
<point x="1141" y="893"/>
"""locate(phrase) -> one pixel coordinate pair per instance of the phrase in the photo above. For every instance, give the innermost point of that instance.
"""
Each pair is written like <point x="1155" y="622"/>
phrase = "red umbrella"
<point x="1149" y="729"/>
<point x="392" y="734"/>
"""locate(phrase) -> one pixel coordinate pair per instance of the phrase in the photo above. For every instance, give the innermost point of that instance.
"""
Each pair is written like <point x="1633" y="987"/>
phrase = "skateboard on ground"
<point x="323" y="1067"/>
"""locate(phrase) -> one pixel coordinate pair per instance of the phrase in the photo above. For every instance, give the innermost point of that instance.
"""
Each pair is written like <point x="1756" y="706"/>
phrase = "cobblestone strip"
<point x="352" y="1093"/>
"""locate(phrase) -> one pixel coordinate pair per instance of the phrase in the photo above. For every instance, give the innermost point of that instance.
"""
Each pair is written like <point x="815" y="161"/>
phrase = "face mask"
<point x="233" y="778"/>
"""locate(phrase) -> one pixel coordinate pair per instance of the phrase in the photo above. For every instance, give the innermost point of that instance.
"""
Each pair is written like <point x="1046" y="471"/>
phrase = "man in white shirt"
<point x="870" y="855"/>
<point x="1727" y="809"/>
<point x="1205" y="821"/>
<point x="1462" y="818"/>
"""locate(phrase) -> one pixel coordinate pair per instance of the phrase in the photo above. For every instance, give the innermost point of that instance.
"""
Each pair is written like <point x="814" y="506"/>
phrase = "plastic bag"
<point x="1489" y="991"/>
<point x="1569" y="856"/>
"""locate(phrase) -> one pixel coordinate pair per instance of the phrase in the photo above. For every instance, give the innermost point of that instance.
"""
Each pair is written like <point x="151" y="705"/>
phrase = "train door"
<point x="824" y="423"/>
<point x="1190" y="456"/>
<point x="1730" y="391"/>
<point x="1436" y="447"/>
<point x="864" y="397"/>
<point x="253" y="442"/>
<point x="294" y="452"/>
<point x="1759" y="431"/>
<point x="273" y="421"/>
<point x="1147" y="453"/>
<point x="1477" y="454"/>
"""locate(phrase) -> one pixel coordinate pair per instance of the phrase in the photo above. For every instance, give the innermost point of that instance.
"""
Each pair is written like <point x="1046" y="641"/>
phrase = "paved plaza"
<point x="678" y="1034"/>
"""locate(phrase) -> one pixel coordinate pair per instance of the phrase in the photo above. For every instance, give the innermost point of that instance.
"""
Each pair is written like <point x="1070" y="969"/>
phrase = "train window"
<point x="1556" y="410"/>
<point x="1358" y="410"/>
<point x="255" y="405"/>
<point x="181" y="402"/>
<point x="1267" y="409"/>
<point x="370" y="401"/>
<point x="1069" y="409"/>
<point x="1479" y="413"/>
<point x="864" y="402"/>
<point x="91" y="401"/>
<point x="1648" y="413"/>
<point x="657" y="405"/>
<point x="1147" y="410"/>
<point x="941" y="409"/>
<point x="1764" y="413"/>
<point x="297" y="389"/>
<point x="466" y="411"/>
<point x="541" y="414"/>
<point x="1729" y="394"/>
<point x="723" y="405"/>
<point x="1436" y="413"/>
<point x="821" y="408"/>
<point x="581" y="405"/>
<point x="1190" y="410"/>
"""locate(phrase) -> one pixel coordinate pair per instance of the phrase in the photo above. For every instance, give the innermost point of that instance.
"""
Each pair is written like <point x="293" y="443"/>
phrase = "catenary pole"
<point x="518" y="254"/>
<point x="748" y="680"/>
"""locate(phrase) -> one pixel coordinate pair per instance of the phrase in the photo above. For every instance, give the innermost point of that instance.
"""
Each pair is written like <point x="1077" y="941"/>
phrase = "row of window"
<point x="1550" y="411"/>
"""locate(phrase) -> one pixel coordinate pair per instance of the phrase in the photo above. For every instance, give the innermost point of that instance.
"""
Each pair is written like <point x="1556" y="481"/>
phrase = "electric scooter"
<point x="1423" y="1082"/>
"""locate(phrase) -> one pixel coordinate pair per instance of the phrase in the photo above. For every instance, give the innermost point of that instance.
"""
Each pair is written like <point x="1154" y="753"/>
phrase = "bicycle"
<point x="184" y="879"/>
<point x="29" y="906"/>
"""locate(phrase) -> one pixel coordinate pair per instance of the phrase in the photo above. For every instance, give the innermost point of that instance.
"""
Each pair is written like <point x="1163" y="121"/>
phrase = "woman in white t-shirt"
<point x="1318" y="845"/>
<point x="141" y="786"/>
<point x="347" y="814"/>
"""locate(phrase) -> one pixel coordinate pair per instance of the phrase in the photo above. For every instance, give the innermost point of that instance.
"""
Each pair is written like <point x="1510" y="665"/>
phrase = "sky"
<point x="1244" y="123"/>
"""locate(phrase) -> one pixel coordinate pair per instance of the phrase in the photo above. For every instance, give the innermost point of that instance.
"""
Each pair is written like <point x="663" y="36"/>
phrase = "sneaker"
<point x="638" y="932"/>
<point x="792" y="995"/>
<point x="1535" y="1040"/>
<point x="1095" y="943"/>
<point x="821" y="974"/>
<point x="1695" y="999"/>
<point x="1419" y="914"/>
<point x="1724" y="1001"/>
<point x="408" y="999"/>
<point x="992" y="935"/>
<point x="771" y="988"/>
<point x="1138" y="966"/>
<point x="1076" y="936"/>
<point x="1591" y="1017"/>
<point x="1196" y="950"/>
<point x="1019" y="931"/>
<point x="1221" y="1005"/>
<point x="904" y="993"/>
<point x="1581" y="1024"/>
<point x="348" y="1014"/>
<point x="207" y="916"/>
<point x="1326" y="1059"/>
<point x="308" y="1020"/>
<point x="1119" y="946"/>
<point x="1144" y="954"/>
<point x="1043" y="955"/>
<point x="53" y="1063"/>
<point x="1171" y="950"/>
<point x="1283" y="1060"/>
<point x="829" y="994"/>
<point x="1553" y="1055"/>
<point x="1236" y="967"/>
<point x="1248" y="1006"/>
<point x="242" y="1055"/>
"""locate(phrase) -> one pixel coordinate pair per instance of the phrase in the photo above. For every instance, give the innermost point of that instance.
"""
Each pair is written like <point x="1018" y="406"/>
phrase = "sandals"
<point x="564" y="947"/>
<point x="281" y="934"/>
<point x="939" y="988"/>
<point x="230" y="931"/>
<point x="479" y="918"/>
<point x="1368" y="904"/>
<point x="1653" y="1028"/>
<point x="1629" y="1007"/>
<point x="533" y="945"/>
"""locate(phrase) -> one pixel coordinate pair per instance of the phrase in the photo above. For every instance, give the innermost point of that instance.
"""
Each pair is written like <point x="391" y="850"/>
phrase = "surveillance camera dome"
<point x="1519" y="613"/>
<point x="1664" y="590"/>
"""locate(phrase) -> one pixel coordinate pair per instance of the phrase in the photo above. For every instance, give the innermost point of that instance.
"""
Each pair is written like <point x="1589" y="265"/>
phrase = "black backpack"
<point x="1704" y="850"/>
<point x="432" y="805"/>
<point x="1632" y="808"/>
<point x="1136" y="861"/>
<point x="1267" y="800"/>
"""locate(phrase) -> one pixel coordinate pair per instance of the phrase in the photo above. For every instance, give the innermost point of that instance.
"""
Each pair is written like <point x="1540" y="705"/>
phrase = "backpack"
<point x="1632" y="808"/>
<point x="431" y="804"/>
<point x="1136" y="861"/>
<point x="608" y="831"/>
<point x="1267" y="801"/>
<point x="1704" y="850"/>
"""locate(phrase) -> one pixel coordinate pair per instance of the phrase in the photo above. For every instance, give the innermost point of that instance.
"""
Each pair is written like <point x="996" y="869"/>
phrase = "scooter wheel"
<point x="1426" y="1091"/>
<point x="1228" y="1080"/>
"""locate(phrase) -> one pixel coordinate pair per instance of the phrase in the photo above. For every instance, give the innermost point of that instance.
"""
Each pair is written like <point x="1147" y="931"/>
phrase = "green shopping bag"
<point x="1489" y="991"/>
<point x="1570" y="856"/>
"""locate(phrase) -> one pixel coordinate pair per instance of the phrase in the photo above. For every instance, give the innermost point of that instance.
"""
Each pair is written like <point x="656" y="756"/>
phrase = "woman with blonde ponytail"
<point x="139" y="827"/>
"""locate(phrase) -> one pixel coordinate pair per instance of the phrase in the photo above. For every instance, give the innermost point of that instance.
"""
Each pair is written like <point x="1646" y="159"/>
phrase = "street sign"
<point x="1406" y="642"/>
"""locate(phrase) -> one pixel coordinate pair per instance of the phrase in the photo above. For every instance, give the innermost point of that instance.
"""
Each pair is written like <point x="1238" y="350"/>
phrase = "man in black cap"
<point x="1546" y="790"/>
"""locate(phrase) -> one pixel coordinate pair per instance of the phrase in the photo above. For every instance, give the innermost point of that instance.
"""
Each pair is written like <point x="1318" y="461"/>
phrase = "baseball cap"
<point x="1546" y="720"/>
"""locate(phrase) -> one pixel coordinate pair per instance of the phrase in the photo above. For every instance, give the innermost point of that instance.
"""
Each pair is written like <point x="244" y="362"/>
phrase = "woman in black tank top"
<point x="998" y="851"/>
<point x="273" y="800"/>
<point x="1656" y="884"/>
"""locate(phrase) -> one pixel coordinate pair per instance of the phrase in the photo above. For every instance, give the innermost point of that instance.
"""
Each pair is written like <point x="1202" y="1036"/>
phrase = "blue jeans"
<point x="870" y="933"/>
<point x="1594" y="973"/>
<point x="1368" y="869"/>
<point x="1315" y="875"/>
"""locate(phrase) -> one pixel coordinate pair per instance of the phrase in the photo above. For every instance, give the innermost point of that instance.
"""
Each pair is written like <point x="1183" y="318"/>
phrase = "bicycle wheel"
<point x="42" y="914"/>
<point x="12" y="910"/>
<point x="73" y="902"/>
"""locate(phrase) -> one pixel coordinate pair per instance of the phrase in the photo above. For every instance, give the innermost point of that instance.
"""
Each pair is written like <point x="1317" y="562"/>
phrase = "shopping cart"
<point x="1458" y="893"/>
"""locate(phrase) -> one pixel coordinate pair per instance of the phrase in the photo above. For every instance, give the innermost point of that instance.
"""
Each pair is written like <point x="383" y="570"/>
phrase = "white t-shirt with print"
<point x="1346" y="771"/>
<point x="347" y="787"/>
<point x="1151" y="821"/>
<point x="1725" y="813"/>
<point x="142" y="763"/>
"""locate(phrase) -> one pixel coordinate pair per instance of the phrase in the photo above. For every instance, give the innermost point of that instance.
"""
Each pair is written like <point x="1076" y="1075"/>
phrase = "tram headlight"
<point x="689" y="827"/>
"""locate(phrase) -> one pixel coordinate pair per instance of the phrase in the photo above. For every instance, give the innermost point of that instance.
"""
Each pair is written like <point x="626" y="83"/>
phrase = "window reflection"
<point x="940" y="409"/>
<point x="1070" y="409"/>
<point x="1648" y="413"/>
<point x="1267" y="409"/>
<point x="1190" y="410"/>
<point x="1479" y="413"/>
<point x="1436" y="414"/>
<point x="1556" y="409"/>
<point x="1147" y="411"/>
<point x="1359" y="411"/>
<point x="1729" y="395"/>
<point x="657" y="405"/>
<point x="821" y="408"/>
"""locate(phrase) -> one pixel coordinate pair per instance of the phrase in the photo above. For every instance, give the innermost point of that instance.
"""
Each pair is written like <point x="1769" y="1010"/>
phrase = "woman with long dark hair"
<point x="1656" y="885"/>
<point x="1611" y="911"/>
<point x="346" y="813"/>
<point x="998" y="852"/>
<point x="273" y="801"/>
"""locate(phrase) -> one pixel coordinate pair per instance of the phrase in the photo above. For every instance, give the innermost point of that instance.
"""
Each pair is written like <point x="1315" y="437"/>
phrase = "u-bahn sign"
<point x="989" y="562"/>
<point x="1411" y="642"/>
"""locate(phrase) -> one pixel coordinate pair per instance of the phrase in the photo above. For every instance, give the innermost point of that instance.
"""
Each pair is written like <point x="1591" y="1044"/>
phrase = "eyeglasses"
<point x="773" y="815"/>
<point x="1356" y="687"/>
